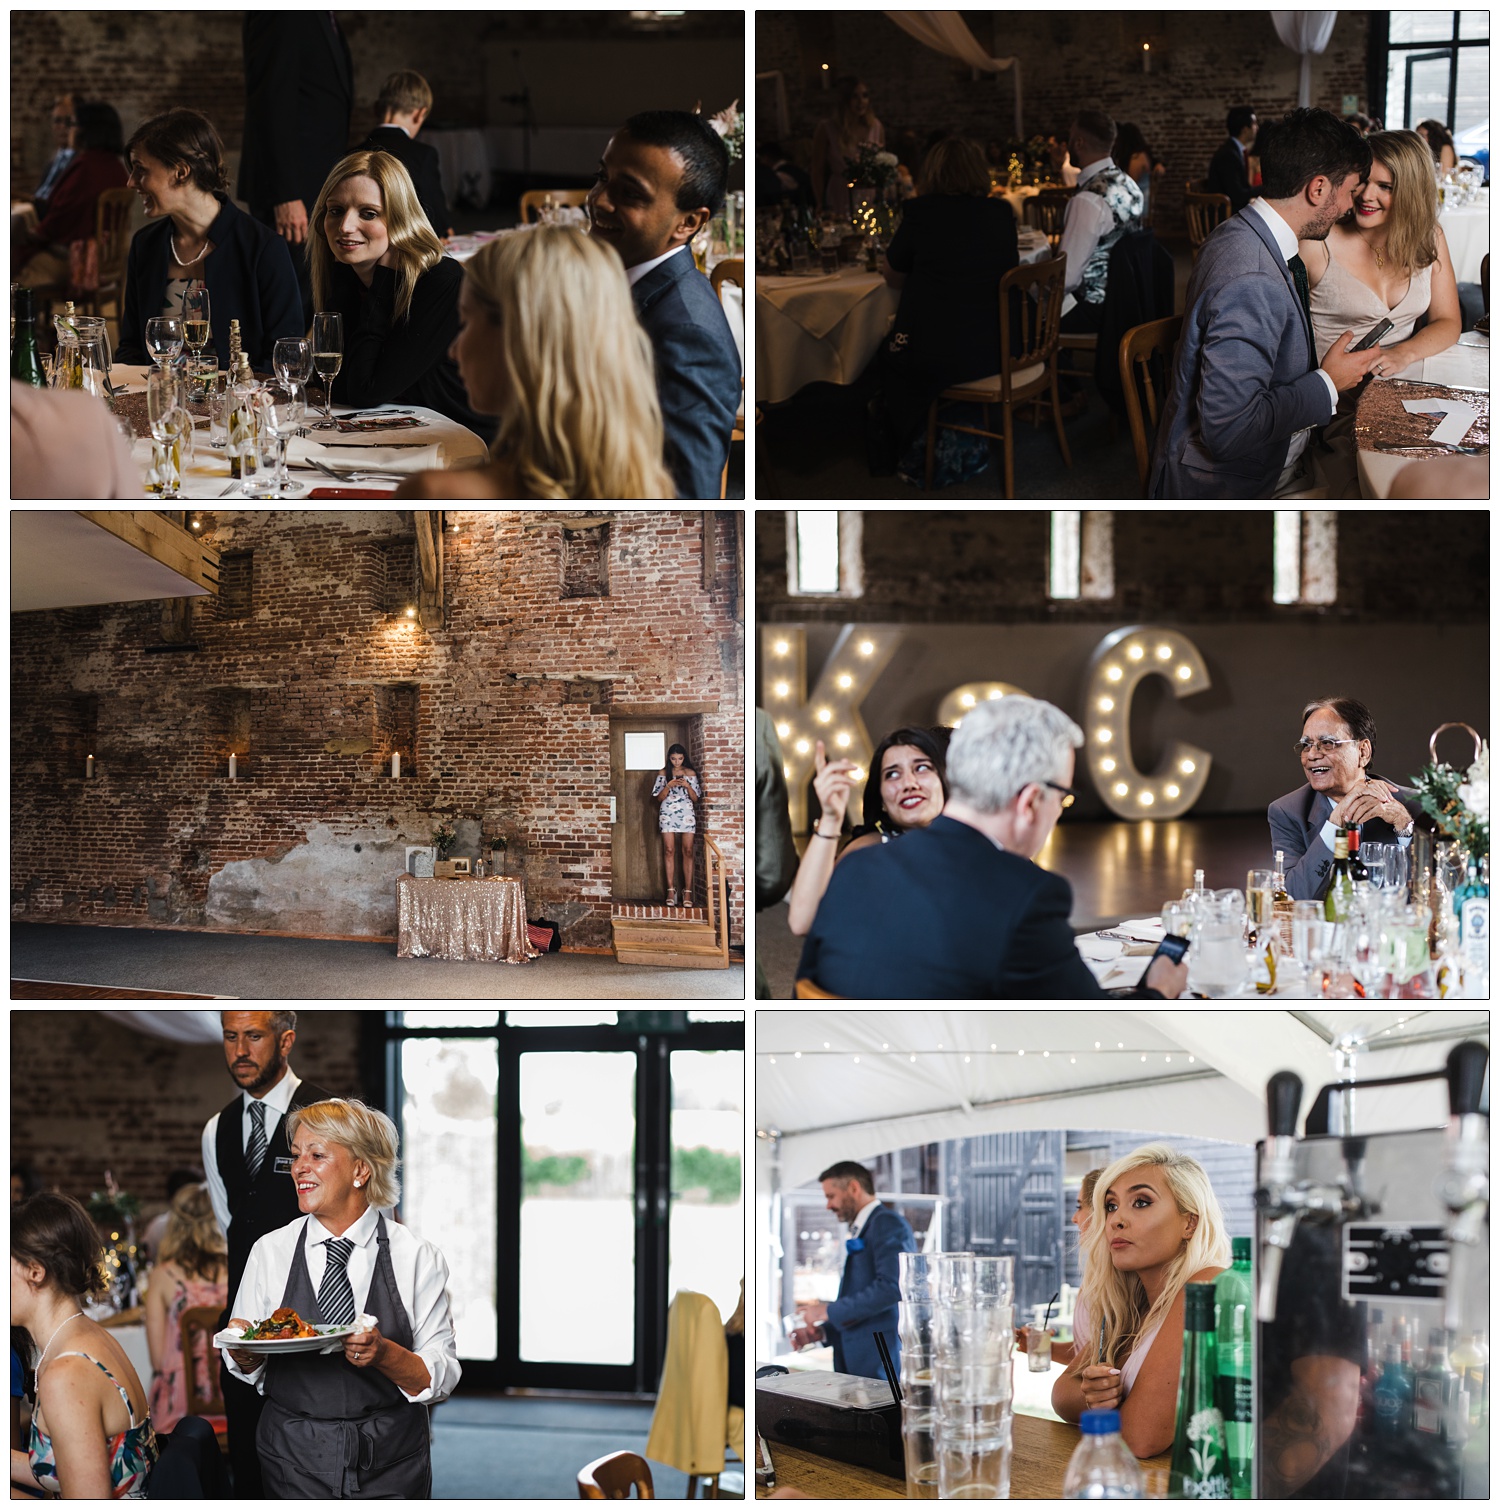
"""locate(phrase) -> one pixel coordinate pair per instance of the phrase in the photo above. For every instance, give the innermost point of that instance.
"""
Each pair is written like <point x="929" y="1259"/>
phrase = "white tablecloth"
<point x="1121" y="962"/>
<point x="825" y="329"/>
<point x="1468" y="233"/>
<point x="207" y="476"/>
<point x="1463" y="365"/>
<point x="569" y="151"/>
<point x="132" y="1340"/>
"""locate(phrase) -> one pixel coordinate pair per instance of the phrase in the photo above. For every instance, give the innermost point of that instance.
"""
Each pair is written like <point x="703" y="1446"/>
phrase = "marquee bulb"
<point x="1104" y="736"/>
<point x="996" y="695"/>
<point x="781" y="689"/>
<point x="782" y="647"/>
<point x="1106" y="705"/>
<point x="1164" y="652"/>
<point x="967" y="700"/>
<point x="1145" y="799"/>
<point x="845" y="681"/>
<point x="784" y="731"/>
<point x="867" y="647"/>
<point x="842" y="741"/>
<point x="1173" y="790"/>
<point x="1107" y="764"/>
<point x="1120" y="789"/>
<point x="1184" y="673"/>
<point x="802" y="747"/>
<point x="1135" y="652"/>
<point x="1113" y="673"/>
<point x="1187" y="767"/>
<point x="825" y="715"/>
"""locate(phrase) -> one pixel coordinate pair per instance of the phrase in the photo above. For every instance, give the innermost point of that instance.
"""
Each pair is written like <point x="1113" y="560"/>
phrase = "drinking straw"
<point x="888" y="1366"/>
<point x="1048" y="1317"/>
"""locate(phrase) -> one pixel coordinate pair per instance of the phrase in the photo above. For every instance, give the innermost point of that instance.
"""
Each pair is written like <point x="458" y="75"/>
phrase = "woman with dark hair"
<point x="200" y="239"/>
<point x="42" y="257"/>
<point x="906" y="788"/>
<point x="947" y="258"/>
<point x="836" y="144"/>
<point x="1134" y="158"/>
<point x="91" y="1434"/>
<point x="676" y="789"/>
<point x="1440" y="140"/>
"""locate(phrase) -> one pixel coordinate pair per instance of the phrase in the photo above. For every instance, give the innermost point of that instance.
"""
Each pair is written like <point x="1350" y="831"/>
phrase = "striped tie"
<point x="255" y="1155"/>
<point x="336" y="1295"/>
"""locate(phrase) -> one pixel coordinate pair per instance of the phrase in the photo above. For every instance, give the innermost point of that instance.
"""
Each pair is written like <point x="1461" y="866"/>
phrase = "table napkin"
<point x="347" y="458"/>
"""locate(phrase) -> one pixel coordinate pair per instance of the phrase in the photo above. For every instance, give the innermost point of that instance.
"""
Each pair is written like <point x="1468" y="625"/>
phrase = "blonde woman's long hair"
<point x="415" y="246"/>
<point x="1411" y="241"/>
<point x="581" y="414"/>
<point x="193" y="1240"/>
<point x="1117" y="1301"/>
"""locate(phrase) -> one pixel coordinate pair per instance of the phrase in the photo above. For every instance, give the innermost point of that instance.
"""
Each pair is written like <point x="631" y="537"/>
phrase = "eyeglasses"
<point x="1322" y="746"/>
<point x="1068" y="794"/>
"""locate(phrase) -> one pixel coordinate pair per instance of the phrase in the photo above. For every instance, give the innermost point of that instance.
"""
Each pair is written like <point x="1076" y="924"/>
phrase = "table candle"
<point x="89" y="770"/>
<point x="395" y="762"/>
<point x="232" y="775"/>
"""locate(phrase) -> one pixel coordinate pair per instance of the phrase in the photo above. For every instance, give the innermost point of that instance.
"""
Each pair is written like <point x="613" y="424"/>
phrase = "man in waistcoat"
<point x="870" y="1289"/>
<point x="249" y="1171"/>
<point x="1107" y="203"/>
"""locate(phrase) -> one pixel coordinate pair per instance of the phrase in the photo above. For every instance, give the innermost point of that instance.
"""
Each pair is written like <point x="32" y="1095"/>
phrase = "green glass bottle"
<point x="1234" y="1299"/>
<point x="1339" y="897"/>
<point x="1200" y="1456"/>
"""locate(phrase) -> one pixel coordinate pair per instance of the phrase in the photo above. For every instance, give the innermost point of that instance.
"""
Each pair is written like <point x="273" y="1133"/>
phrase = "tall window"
<point x="1081" y="554"/>
<point x="1437" y="68"/>
<point x="823" y="553"/>
<point x="1304" y="556"/>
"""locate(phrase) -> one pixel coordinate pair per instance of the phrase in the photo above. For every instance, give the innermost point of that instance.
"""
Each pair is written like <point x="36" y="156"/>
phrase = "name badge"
<point x="283" y="1166"/>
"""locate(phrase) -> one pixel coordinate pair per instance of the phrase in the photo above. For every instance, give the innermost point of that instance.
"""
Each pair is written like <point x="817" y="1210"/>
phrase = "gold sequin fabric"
<point x="1382" y="417"/>
<point x="462" y="919"/>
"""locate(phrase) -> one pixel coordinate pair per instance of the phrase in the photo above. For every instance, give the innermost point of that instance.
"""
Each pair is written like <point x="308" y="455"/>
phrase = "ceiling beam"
<point x="164" y="542"/>
<point x="429" y="527"/>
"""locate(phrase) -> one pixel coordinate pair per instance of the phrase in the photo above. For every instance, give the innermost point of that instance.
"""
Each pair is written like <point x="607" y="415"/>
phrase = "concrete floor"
<point x="249" y="967"/>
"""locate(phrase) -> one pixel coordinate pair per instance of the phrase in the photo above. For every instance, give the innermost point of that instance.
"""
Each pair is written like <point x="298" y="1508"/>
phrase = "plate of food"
<point x="284" y="1331"/>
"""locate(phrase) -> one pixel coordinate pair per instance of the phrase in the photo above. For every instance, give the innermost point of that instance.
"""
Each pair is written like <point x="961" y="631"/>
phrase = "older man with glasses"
<point x="1335" y="748"/>
<point x="62" y="126"/>
<point x="958" y="910"/>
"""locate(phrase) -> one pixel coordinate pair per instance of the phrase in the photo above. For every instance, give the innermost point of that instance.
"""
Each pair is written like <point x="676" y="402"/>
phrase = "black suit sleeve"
<point x="280" y="299"/>
<point x="273" y="65"/>
<point x="1042" y="960"/>
<point x="430" y="191"/>
<point x="383" y="358"/>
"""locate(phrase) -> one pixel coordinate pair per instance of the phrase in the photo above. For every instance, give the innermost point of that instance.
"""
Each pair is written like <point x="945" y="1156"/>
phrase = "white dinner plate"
<point x="327" y="1340"/>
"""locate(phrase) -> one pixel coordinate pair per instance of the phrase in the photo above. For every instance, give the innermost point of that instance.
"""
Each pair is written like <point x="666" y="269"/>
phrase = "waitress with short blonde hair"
<point x="351" y="1424"/>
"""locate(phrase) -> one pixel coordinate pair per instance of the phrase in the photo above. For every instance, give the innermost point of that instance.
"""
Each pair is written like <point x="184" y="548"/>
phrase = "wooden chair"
<point x="1045" y="212"/>
<point x="810" y="990"/>
<point x="112" y="231"/>
<point x="1141" y="344"/>
<point x="1204" y="212"/>
<point x="612" y="1476"/>
<point x="203" y="1321"/>
<point x="731" y="270"/>
<point x="1031" y="374"/>
<point x="534" y="199"/>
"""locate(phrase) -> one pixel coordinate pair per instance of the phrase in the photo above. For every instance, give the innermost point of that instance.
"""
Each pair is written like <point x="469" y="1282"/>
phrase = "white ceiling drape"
<point x="189" y="1025"/>
<point x="1306" y="32"/>
<point x="945" y="31"/>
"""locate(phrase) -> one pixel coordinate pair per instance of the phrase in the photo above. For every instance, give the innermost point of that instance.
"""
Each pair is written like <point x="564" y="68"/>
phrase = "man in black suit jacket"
<point x="1229" y="172"/>
<point x="404" y="104"/>
<point x="249" y="1170"/>
<point x="661" y="180"/>
<point x="958" y="910"/>
<point x="299" y="95"/>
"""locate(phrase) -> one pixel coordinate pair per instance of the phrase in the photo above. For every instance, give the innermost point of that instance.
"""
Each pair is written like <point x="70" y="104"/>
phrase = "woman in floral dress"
<point x="675" y="790"/>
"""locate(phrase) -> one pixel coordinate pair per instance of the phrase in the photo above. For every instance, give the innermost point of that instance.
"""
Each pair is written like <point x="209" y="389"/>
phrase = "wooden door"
<point x="638" y="874"/>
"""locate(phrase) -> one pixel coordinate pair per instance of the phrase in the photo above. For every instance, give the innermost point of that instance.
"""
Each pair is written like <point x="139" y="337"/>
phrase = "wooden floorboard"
<point x="51" y="990"/>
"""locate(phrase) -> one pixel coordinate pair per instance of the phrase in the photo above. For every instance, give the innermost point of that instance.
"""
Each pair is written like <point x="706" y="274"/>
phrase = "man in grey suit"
<point x="1247" y="390"/>
<point x="1338" y="740"/>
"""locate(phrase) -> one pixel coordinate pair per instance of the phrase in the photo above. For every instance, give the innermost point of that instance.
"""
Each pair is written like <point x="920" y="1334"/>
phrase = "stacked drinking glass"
<point x="918" y="1409"/>
<point x="973" y="1334"/>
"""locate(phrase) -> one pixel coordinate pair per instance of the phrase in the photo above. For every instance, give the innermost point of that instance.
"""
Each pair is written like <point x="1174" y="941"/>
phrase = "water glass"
<point x="1039" y="1349"/>
<point x="973" y="1332"/>
<point x="163" y="338"/>
<point x="216" y="398"/>
<point x="202" y="370"/>
<point x="919" y="1437"/>
<point x="1408" y="957"/>
<point x="1216" y="963"/>
<point x="1176" y="918"/>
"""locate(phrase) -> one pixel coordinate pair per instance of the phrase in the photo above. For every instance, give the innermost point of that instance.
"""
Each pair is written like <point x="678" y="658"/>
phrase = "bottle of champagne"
<point x="1234" y="1386"/>
<point x="1359" y="872"/>
<point x="25" y="363"/>
<point x="1200" y="1457"/>
<point x="1340" y="893"/>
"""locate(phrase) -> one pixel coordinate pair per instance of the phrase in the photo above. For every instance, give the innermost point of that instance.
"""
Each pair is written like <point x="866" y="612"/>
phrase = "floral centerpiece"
<point x="443" y="839"/>
<point x="1459" y="802"/>
<point x="730" y="125"/>
<point x="876" y="167"/>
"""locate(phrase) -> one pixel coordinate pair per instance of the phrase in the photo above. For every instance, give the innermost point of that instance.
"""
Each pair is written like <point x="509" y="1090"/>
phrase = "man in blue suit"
<point x="870" y="1289"/>
<point x="1247" y="390"/>
<point x="661" y="180"/>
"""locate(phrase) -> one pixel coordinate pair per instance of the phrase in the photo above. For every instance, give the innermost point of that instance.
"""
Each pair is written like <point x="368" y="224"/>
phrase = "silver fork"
<point x="357" y="476"/>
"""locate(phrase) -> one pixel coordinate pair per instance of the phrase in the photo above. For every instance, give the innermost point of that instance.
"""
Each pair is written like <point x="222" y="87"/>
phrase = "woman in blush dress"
<point x="837" y="141"/>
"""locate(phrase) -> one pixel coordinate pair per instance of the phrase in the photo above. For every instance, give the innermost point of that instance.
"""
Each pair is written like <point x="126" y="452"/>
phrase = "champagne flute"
<point x="328" y="357"/>
<point x="195" y="319"/>
<point x="164" y="336"/>
<point x="292" y="357"/>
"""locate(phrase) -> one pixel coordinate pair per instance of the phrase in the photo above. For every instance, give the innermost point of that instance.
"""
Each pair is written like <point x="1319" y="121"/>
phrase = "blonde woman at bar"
<point x="1156" y="1227"/>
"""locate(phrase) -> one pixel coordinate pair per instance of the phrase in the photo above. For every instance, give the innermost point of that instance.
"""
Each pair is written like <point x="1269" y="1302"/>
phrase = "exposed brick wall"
<point x="510" y="705"/>
<point x="90" y="1094"/>
<point x="1202" y="63"/>
<point x="991" y="567"/>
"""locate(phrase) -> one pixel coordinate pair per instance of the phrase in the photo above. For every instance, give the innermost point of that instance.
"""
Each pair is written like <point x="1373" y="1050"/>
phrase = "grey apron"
<point x="333" y="1431"/>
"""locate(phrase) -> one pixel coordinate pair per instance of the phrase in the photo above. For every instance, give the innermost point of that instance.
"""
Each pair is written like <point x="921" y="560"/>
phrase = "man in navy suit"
<point x="661" y="180"/>
<point x="1337" y="743"/>
<point x="404" y="104"/>
<point x="957" y="909"/>
<point x="870" y="1289"/>
<point x="1247" y="390"/>
<point x="1229" y="172"/>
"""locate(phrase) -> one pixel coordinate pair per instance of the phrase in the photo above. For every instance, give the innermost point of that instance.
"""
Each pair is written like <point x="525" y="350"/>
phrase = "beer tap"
<point x="1465" y="1184"/>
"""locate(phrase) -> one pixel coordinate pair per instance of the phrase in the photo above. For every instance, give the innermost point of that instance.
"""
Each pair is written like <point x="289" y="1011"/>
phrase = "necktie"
<point x="255" y="1154"/>
<point x="335" y="1294"/>
<point x="1299" y="277"/>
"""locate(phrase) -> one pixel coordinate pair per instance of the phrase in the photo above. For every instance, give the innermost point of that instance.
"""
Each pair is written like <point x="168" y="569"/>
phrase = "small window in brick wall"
<point x="400" y="573"/>
<point x="77" y="733"/>
<point x="236" y="584"/>
<point x="586" y="562"/>
<point x="396" y="725"/>
<point x="233" y="729"/>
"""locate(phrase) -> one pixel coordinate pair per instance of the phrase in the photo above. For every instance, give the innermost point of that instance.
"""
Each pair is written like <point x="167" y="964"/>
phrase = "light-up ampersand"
<point x="1122" y="661"/>
<point x="962" y="700"/>
<point x="832" y="712"/>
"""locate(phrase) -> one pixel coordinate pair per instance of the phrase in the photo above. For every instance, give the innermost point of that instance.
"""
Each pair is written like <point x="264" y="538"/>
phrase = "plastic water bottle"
<point x="1102" y="1466"/>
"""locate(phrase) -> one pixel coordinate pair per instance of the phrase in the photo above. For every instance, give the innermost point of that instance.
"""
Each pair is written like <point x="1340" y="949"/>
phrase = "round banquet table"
<point x="1463" y="367"/>
<point x="1468" y="235"/>
<point x="825" y="327"/>
<point x="462" y="919"/>
<point x="206" y="475"/>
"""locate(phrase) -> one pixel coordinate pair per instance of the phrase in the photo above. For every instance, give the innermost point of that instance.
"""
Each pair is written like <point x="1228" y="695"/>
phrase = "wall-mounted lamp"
<point x="195" y="522"/>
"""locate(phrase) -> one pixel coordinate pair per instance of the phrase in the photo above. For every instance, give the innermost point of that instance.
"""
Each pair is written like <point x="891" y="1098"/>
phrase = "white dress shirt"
<point x="421" y="1281"/>
<point x="1286" y="244"/>
<point x="634" y="274"/>
<point x="276" y="1101"/>
<point x="1086" y="222"/>
<point x="863" y="1215"/>
<point x="1328" y="833"/>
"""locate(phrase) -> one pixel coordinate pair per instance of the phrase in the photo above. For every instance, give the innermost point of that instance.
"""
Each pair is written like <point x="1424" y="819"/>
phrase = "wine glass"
<point x="195" y="319"/>
<point x="328" y="357"/>
<point x="164" y="337"/>
<point x="163" y="412"/>
<point x="278" y="423"/>
<point x="292" y="356"/>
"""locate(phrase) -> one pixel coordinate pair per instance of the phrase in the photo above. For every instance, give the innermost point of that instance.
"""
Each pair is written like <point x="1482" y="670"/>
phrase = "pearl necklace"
<point x="181" y="260"/>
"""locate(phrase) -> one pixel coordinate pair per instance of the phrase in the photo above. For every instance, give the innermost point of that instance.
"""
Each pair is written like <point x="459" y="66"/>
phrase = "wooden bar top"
<point x="1038" y="1462"/>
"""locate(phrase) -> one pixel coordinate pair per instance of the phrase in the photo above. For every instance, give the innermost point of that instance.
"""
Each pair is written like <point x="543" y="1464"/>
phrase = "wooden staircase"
<point x="686" y="938"/>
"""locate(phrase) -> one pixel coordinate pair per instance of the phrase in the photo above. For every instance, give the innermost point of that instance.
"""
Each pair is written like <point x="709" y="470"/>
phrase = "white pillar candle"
<point x="232" y="775"/>
<point x="395" y="762"/>
<point x="89" y="770"/>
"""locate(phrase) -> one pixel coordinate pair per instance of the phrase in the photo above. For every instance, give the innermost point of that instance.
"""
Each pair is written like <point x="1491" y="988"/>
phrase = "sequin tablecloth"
<point x="1383" y="417"/>
<point x="462" y="919"/>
